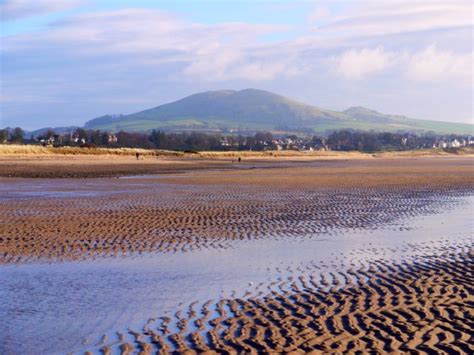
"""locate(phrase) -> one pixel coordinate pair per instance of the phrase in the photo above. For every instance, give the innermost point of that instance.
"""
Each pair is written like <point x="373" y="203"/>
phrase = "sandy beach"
<point x="176" y="209"/>
<point x="67" y="162"/>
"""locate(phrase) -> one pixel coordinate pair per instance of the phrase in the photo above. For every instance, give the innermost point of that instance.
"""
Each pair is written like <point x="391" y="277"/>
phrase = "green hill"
<point x="252" y="110"/>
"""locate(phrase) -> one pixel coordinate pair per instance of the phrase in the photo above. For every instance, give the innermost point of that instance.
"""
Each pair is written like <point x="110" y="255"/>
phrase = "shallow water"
<point x="53" y="308"/>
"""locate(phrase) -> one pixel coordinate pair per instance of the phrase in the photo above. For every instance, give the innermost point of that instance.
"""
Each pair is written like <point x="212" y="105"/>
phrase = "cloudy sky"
<point x="66" y="61"/>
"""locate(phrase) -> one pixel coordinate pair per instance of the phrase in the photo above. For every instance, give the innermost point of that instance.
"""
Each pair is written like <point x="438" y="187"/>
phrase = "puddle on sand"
<point x="52" y="308"/>
<point x="47" y="188"/>
<point x="27" y="189"/>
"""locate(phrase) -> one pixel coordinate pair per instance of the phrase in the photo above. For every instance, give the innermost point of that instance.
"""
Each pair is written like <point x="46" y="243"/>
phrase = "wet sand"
<point x="70" y="219"/>
<point x="421" y="303"/>
<point x="391" y="308"/>
<point x="99" y="166"/>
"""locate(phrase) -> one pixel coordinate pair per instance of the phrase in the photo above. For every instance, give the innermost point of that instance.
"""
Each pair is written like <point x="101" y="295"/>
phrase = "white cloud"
<point x="433" y="64"/>
<point x="393" y="17"/>
<point x="359" y="63"/>
<point x="211" y="52"/>
<point x="213" y="64"/>
<point x="227" y="64"/>
<point x="17" y="9"/>
<point x="138" y="31"/>
<point x="319" y="13"/>
<point x="229" y="51"/>
<point x="428" y="64"/>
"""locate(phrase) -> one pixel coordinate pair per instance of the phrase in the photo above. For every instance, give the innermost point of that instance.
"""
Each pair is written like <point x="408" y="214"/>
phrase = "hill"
<point x="57" y="130"/>
<point x="253" y="110"/>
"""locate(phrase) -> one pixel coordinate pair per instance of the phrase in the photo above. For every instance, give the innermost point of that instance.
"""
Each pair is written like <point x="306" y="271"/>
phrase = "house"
<point x="46" y="141"/>
<point x="454" y="144"/>
<point x="112" y="138"/>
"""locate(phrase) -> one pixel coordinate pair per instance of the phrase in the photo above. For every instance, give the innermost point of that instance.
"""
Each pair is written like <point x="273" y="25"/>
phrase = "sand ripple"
<point x="420" y="306"/>
<point x="113" y="217"/>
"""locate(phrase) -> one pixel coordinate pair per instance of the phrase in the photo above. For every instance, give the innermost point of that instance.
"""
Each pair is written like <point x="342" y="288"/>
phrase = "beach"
<point x="204" y="254"/>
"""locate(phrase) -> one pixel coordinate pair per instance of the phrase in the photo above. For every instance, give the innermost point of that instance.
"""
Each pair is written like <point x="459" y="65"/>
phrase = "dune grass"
<point x="275" y="153"/>
<point x="29" y="149"/>
<point x="21" y="149"/>
<point x="340" y="154"/>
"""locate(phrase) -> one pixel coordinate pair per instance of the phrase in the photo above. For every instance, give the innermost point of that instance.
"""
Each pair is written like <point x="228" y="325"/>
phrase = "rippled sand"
<point x="70" y="219"/>
<point x="423" y="307"/>
<point x="421" y="300"/>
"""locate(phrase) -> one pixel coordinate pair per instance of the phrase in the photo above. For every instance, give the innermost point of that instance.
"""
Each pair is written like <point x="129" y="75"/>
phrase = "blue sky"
<point x="209" y="12"/>
<point x="65" y="62"/>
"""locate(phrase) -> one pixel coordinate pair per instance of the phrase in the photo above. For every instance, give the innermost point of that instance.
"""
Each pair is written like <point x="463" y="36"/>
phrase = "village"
<point x="342" y="140"/>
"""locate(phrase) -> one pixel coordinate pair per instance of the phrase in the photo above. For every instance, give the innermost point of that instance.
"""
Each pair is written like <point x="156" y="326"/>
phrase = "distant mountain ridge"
<point x="57" y="130"/>
<point x="253" y="110"/>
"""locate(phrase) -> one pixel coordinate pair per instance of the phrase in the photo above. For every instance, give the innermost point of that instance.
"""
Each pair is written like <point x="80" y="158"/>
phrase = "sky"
<point x="64" y="62"/>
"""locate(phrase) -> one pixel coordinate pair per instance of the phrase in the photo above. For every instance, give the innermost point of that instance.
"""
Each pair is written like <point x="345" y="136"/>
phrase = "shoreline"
<point x="103" y="166"/>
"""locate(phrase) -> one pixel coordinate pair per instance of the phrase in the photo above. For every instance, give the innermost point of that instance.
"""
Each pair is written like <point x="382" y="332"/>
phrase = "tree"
<point x="263" y="137"/>
<point x="104" y="138"/>
<point x="49" y="134"/>
<point x="133" y="140"/>
<point x="95" y="137"/>
<point x="159" y="139"/>
<point x="81" y="133"/>
<point x="3" y="135"/>
<point x="17" y="135"/>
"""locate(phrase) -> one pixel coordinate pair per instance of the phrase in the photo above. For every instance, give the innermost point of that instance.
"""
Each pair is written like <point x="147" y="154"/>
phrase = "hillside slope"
<point x="252" y="109"/>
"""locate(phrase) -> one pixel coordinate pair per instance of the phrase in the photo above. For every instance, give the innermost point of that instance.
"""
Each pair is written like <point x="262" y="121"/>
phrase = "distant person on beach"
<point x="137" y="155"/>
<point x="240" y="159"/>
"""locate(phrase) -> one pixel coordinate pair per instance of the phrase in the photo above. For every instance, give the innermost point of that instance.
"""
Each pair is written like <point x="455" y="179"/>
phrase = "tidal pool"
<point x="68" y="306"/>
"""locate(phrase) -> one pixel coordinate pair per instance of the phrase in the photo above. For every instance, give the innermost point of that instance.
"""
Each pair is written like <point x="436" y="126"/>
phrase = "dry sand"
<point x="27" y="161"/>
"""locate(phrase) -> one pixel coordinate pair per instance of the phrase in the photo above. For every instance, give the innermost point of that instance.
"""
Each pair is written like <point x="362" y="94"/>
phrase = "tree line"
<point x="341" y="140"/>
<point x="15" y="135"/>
